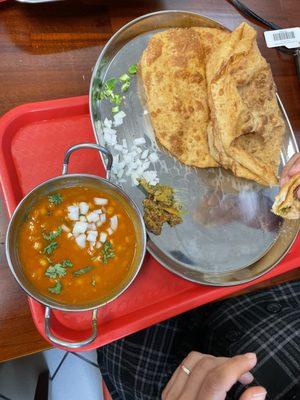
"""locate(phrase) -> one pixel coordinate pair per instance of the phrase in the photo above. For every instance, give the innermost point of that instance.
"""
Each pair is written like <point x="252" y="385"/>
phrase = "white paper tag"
<point x="289" y="38"/>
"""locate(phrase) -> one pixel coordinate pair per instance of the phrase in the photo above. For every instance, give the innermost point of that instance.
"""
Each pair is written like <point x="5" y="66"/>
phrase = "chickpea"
<point x="31" y="226"/>
<point x="37" y="246"/>
<point x="35" y="214"/>
<point x="110" y="210"/>
<point x="43" y="262"/>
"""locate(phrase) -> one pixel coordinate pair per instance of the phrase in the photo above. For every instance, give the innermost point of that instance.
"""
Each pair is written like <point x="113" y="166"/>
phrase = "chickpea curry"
<point x="77" y="245"/>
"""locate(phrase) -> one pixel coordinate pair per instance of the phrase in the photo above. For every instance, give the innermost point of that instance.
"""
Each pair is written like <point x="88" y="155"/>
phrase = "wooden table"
<point x="48" y="51"/>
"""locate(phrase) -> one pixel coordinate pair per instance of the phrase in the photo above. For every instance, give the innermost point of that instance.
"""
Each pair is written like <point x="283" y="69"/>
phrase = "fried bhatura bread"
<point x="246" y="128"/>
<point x="173" y="73"/>
<point x="286" y="204"/>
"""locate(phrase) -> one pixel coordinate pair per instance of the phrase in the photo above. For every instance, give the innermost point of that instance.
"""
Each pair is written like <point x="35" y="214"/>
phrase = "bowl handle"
<point x="65" y="343"/>
<point x="80" y="146"/>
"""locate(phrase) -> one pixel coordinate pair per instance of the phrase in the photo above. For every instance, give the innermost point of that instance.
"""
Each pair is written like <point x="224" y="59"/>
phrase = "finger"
<point x="284" y="180"/>
<point x="246" y="378"/>
<point x="199" y="373"/>
<point x="295" y="168"/>
<point x="221" y="379"/>
<point x="179" y="378"/>
<point x="170" y="384"/>
<point x="254" y="393"/>
<point x="289" y="164"/>
<point x="298" y="193"/>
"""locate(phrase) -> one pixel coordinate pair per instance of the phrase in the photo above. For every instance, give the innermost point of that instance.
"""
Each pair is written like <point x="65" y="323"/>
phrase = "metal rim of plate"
<point x="288" y="231"/>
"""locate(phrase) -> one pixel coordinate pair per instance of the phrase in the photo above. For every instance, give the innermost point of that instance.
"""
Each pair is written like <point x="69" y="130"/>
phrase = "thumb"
<point x="254" y="393"/>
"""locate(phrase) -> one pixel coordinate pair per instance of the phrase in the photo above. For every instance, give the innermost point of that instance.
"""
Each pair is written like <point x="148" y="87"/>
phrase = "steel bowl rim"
<point x="64" y="307"/>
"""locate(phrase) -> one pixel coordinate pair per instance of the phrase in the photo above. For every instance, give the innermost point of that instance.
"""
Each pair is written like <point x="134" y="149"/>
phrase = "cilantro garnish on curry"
<point x="77" y="245"/>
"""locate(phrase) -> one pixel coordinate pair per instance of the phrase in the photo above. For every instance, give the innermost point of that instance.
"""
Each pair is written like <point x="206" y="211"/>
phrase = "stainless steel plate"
<point x="229" y="234"/>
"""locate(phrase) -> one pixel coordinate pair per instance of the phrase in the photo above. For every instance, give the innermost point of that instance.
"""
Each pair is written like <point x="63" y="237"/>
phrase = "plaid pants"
<point x="266" y="322"/>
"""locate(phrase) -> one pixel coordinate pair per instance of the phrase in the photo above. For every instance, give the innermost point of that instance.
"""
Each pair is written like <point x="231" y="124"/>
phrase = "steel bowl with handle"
<point x="55" y="184"/>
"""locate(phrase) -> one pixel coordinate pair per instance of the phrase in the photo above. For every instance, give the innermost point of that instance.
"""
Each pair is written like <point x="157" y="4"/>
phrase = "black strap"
<point x="245" y="10"/>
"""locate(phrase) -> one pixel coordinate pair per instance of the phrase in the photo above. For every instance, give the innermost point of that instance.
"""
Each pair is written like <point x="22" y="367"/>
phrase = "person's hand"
<point x="204" y="377"/>
<point x="291" y="168"/>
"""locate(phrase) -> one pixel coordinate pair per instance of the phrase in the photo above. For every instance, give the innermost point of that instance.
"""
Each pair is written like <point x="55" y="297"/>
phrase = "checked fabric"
<point x="266" y="322"/>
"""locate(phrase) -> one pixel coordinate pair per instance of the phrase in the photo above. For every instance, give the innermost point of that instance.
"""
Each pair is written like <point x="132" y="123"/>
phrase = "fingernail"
<point x="259" y="396"/>
<point x="246" y="379"/>
<point x="251" y="356"/>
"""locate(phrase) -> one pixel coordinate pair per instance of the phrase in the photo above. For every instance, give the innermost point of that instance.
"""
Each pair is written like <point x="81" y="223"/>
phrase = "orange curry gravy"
<point x="54" y="262"/>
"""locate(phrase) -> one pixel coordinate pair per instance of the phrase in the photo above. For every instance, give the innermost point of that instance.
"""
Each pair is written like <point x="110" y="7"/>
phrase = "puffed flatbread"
<point x="246" y="128"/>
<point x="173" y="73"/>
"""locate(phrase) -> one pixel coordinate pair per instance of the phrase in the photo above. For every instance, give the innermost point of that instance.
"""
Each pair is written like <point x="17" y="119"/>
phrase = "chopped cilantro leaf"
<point x="56" y="289"/>
<point x="133" y="69"/>
<point x="55" y="271"/>
<point x="110" y="84"/>
<point x="52" y="235"/>
<point x="107" y="252"/>
<point x="67" y="263"/>
<point x="116" y="98"/>
<point x="115" y="109"/>
<point x="50" y="248"/>
<point x="124" y="78"/>
<point x="55" y="198"/>
<point x="125" y="87"/>
<point x="83" y="271"/>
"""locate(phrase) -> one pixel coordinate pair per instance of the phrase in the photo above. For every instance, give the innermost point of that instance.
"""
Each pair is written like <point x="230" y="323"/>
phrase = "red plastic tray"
<point x="33" y="139"/>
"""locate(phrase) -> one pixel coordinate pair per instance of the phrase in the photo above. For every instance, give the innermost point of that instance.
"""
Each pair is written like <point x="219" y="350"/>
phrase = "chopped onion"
<point x="151" y="177"/>
<point x="107" y="123"/>
<point x="69" y="235"/>
<point x="134" y="179"/>
<point x="93" y="217"/>
<point x="99" y="211"/>
<point x="83" y="207"/>
<point x="73" y="213"/>
<point x="81" y="240"/>
<point x="118" y="118"/>
<point x="82" y="218"/>
<point x="80" y="227"/>
<point x="65" y="228"/>
<point x="103" y="237"/>
<point x="153" y="157"/>
<point x="118" y="147"/>
<point x="92" y="226"/>
<point x="100" y="201"/>
<point x="98" y="245"/>
<point x="110" y="231"/>
<point x="103" y="218"/>
<point x="144" y="154"/>
<point x="92" y="236"/>
<point x="114" y="222"/>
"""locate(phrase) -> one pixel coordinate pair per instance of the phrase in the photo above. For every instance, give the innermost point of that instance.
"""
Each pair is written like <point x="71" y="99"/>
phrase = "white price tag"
<point x="289" y="38"/>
